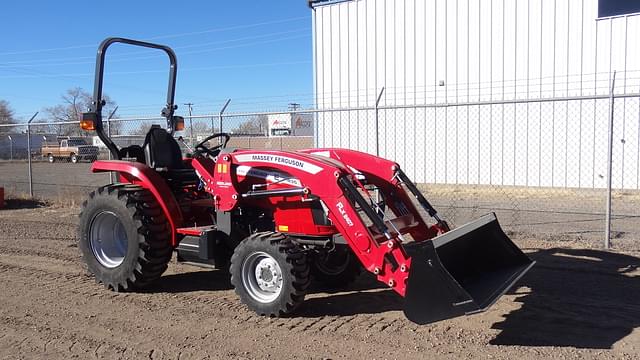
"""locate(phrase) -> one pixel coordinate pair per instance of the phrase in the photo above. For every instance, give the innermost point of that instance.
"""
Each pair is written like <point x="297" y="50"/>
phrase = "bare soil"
<point x="575" y="303"/>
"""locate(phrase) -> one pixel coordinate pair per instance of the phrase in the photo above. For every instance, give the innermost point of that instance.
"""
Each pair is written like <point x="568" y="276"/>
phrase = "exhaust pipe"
<point x="462" y="272"/>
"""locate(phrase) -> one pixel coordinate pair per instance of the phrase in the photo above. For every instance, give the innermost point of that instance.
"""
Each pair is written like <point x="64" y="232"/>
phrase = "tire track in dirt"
<point x="64" y="256"/>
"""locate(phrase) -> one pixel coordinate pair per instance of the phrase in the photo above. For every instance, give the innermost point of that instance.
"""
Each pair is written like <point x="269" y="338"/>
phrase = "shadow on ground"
<point x="12" y="204"/>
<point x="578" y="298"/>
<point x="365" y="296"/>
<point x="200" y="280"/>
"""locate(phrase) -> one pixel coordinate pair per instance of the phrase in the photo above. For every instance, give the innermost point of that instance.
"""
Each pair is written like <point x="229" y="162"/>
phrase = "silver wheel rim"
<point x="108" y="239"/>
<point x="74" y="159"/>
<point x="50" y="158"/>
<point x="262" y="277"/>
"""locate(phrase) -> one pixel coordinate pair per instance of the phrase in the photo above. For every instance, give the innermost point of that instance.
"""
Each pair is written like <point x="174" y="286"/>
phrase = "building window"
<point x="617" y="7"/>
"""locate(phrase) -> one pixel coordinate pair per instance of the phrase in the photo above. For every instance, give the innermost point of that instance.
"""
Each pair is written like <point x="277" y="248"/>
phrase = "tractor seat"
<point x="162" y="153"/>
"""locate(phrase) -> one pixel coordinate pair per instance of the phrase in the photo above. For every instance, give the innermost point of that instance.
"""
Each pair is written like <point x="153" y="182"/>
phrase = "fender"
<point x="140" y="174"/>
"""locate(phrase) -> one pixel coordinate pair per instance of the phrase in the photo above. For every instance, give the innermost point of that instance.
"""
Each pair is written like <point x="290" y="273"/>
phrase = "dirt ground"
<point x="577" y="302"/>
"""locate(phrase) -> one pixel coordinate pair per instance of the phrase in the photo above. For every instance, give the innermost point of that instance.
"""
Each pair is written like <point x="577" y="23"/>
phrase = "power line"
<point x="229" y="28"/>
<point x="235" y="27"/>
<point x="184" y="53"/>
<point x="64" y="61"/>
<point x="82" y="75"/>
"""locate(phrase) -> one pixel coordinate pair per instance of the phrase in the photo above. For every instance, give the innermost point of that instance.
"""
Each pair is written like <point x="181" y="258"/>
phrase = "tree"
<point x="142" y="129"/>
<point x="74" y="102"/>
<point x="6" y="116"/>
<point x="256" y="125"/>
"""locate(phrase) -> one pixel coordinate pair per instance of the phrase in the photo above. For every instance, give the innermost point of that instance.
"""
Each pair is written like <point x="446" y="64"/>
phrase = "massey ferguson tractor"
<point x="278" y="220"/>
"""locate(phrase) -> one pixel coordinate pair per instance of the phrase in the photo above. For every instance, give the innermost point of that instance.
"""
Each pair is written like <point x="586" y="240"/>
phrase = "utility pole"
<point x="293" y="107"/>
<point x="190" y="121"/>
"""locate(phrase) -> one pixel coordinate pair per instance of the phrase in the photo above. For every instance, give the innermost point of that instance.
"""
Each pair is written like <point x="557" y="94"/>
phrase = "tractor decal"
<point x="280" y="160"/>
<point x="344" y="214"/>
<point x="269" y="176"/>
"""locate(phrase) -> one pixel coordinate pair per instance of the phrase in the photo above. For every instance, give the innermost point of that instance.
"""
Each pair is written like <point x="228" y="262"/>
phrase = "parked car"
<point x="70" y="149"/>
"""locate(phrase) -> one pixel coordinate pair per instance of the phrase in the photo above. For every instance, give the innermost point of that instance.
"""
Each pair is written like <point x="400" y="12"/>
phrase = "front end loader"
<point x="278" y="220"/>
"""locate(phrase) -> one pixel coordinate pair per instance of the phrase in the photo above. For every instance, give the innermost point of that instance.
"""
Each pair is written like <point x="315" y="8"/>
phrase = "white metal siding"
<point x="482" y="50"/>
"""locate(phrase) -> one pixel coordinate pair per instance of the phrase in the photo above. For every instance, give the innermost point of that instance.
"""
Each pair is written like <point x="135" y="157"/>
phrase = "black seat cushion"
<point x="132" y="152"/>
<point x="161" y="150"/>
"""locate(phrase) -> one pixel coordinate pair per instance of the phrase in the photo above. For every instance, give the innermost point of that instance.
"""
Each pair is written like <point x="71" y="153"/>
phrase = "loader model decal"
<point x="269" y="176"/>
<point x="344" y="214"/>
<point x="280" y="160"/>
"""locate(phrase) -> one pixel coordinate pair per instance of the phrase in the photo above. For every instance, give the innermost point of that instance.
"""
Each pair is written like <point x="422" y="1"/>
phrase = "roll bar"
<point x="95" y="110"/>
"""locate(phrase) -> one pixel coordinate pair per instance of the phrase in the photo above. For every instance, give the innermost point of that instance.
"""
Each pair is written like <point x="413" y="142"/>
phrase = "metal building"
<point x="506" y="92"/>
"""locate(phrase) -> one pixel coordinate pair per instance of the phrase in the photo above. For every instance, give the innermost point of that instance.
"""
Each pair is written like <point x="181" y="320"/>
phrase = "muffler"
<point x="461" y="272"/>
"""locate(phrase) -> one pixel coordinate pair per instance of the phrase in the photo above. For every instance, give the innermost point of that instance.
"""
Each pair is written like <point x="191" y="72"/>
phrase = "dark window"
<point x="617" y="7"/>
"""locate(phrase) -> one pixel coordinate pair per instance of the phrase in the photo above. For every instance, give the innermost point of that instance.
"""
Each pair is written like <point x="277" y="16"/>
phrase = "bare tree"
<point x="6" y="116"/>
<point x="200" y="129"/>
<point x="142" y="129"/>
<point x="74" y="102"/>
<point x="255" y="125"/>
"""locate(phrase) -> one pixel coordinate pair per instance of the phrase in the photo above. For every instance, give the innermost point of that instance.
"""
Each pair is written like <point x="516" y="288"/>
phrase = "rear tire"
<point x="51" y="158"/>
<point x="335" y="269"/>
<point x="124" y="237"/>
<point x="73" y="158"/>
<point x="270" y="273"/>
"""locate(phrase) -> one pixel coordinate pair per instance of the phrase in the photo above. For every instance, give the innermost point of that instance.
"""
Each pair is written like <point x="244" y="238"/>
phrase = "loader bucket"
<point x="462" y="272"/>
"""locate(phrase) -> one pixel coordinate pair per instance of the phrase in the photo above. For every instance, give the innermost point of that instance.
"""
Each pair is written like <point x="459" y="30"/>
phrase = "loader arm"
<point x="388" y="177"/>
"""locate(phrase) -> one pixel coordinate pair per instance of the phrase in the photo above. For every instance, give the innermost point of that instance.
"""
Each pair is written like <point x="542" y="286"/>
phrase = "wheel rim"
<point x="50" y="158"/>
<point x="74" y="159"/>
<point x="108" y="239"/>
<point x="262" y="277"/>
<point x="333" y="263"/>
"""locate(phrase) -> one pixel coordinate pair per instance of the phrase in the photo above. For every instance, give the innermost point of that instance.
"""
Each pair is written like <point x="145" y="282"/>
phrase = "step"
<point x="196" y="230"/>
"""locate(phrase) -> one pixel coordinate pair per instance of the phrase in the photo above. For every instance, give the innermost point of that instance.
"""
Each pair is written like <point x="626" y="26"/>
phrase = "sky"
<point x="257" y="53"/>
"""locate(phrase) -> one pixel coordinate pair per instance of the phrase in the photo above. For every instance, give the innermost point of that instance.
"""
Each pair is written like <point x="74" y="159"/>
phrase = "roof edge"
<point x="316" y="3"/>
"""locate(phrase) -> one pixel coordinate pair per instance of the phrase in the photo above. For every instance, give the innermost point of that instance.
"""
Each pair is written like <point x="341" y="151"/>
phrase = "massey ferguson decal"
<point x="344" y="214"/>
<point x="279" y="160"/>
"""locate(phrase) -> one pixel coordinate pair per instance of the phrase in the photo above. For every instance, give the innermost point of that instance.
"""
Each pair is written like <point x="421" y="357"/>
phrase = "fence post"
<point x="111" y="181"/>
<point x="10" y="147"/>
<point x="607" y="231"/>
<point x="377" y="123"/>
<point x="224" y="107"/>
<point x="29" y="153"/>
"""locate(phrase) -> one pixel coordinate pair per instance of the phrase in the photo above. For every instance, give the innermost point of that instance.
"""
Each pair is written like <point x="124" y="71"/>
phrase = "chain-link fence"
<point x="543" y="165"/>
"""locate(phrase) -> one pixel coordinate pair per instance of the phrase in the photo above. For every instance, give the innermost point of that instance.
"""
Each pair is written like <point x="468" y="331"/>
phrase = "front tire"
<point x="124" y="237"/>
<point x="270" y="273"/>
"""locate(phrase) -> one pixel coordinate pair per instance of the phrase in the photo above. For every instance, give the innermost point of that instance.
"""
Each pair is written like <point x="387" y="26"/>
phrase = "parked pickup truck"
<point x="69" y="149"/>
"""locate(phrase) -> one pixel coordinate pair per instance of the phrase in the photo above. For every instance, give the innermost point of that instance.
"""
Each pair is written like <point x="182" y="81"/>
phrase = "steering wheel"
<point x="213" y="151"/>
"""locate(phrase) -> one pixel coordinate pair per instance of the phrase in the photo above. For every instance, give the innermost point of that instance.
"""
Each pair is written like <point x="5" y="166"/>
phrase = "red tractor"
<point x="277" y="220"/>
